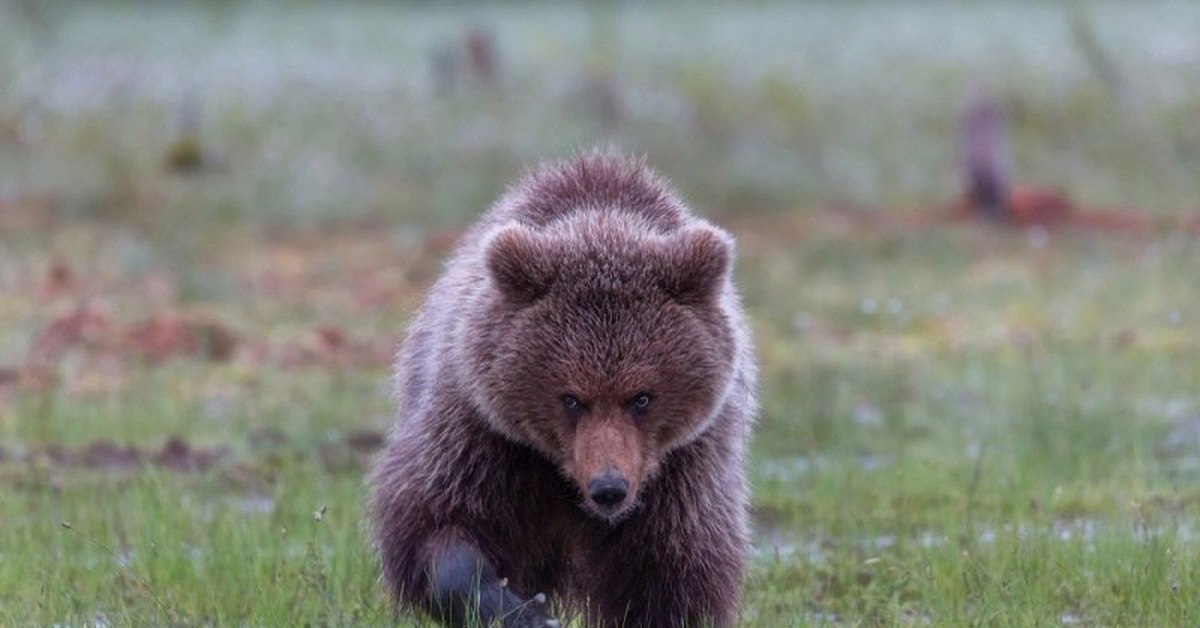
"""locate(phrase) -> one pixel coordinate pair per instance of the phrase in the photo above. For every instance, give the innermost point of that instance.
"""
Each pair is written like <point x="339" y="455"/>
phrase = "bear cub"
<point x="574" y="401"/>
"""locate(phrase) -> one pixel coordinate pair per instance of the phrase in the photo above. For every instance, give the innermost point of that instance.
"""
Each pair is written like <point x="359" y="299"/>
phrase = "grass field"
<point x="961" y="425"/>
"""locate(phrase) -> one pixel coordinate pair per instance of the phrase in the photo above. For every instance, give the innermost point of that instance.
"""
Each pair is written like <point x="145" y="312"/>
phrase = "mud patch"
<point x="365" y="441"/>
<point x="168" y="334"/>
<point x="177" y="455"/>
<point x="109" y="456"/>
<point x="104" y="455"/>
<point x="255" y="473"/>
<point x="352" y="452"/>
<point x="330" y="346"/>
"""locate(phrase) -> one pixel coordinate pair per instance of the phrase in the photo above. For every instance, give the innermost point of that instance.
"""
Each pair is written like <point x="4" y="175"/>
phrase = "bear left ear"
<point x="522" y="262"/>
<point x="695" y="265"/>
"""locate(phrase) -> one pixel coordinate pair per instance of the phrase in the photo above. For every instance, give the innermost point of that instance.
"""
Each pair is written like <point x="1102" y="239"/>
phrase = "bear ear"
<point x="696" y="264"/>
<point x="522" y="262"/>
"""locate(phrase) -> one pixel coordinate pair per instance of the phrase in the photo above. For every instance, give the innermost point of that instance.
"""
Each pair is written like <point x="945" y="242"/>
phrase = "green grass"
<point x="960" y="425"/>
<point x="986" y="451"/>
<point x="992" y="450"/>
<point x="157" y="549"/>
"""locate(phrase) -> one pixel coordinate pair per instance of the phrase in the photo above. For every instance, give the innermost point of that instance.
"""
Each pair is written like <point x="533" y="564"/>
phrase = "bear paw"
<point x="529" y="615"/>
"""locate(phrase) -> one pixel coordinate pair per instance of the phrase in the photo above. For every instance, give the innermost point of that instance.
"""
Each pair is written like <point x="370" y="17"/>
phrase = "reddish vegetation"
<point x="87" y="331"/>
<point x="988" y="191"/>
<point x="27" y="212"/>
<point x="1028" y="207"/>
<point x="177" y="455"/>
<point x="59" y="280"/>
<point x="169" y="334"/>
<point x="107" y="455"/>
<point x="10" y="378"/>
<point x="352" y="451"/>
<point x="90" y="328"/>
<point x="1051" y="209"/>
<point x="104" y="455"/>
<point x="87" y="325"/>
<point x="172" y="334"/>
<point x="330" y="346"/>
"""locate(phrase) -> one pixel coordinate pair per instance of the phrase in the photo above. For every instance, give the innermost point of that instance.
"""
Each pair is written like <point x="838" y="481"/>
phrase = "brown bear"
<point x="575" y="398"/>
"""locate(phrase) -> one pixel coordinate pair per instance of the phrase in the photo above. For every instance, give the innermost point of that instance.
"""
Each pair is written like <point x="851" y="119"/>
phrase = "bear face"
<point x="604" y="345"/>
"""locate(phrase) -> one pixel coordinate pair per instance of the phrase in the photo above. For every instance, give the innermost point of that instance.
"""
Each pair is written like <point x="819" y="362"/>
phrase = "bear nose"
<point x="608" y="490"/>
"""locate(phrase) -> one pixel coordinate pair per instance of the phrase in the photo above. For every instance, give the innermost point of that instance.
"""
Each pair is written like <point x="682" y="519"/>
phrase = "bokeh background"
<point x="217" y="217"/>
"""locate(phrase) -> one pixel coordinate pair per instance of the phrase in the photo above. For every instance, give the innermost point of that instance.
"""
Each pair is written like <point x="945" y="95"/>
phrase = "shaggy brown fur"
<point x="574" y="401"/>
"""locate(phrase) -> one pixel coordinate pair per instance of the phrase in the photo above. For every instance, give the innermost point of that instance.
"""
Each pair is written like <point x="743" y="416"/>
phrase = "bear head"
<point x="605" y="343"/>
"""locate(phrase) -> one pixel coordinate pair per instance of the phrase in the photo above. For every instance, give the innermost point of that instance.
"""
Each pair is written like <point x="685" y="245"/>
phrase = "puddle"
<point x="780" y="547"/>
<point x="792" y="468"/>
<point x="929" y="539"/>
<point x="99" y="620"/>
<point x="787" y="468"/>
<point x="254" y="504"/>
<point x="874" y="462"/>
<point x="123" y="558"/>
<point x="1179" y="447"/>
<point x="774" y="540"/>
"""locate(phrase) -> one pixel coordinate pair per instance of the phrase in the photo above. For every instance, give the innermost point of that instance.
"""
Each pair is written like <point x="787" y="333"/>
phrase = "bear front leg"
<point x="465" y="590"/>
<point x="666" y="599"/>
<point x="661" y="572"/>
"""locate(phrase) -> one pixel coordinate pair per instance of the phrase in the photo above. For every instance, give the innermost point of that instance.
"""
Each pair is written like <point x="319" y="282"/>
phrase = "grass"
<point x="960" y="426"/>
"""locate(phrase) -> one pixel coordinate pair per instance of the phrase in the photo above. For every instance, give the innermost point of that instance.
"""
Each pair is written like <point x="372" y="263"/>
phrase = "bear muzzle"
<point x="608" y="464"/>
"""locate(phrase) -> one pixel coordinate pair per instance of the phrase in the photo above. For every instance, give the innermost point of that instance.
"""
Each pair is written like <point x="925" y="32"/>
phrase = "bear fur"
<point x="574" y="402"/>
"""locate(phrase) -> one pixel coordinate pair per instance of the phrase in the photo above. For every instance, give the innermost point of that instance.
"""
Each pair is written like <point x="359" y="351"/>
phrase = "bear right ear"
<point x="522" y="262"/>
<point x="695" y="264"/>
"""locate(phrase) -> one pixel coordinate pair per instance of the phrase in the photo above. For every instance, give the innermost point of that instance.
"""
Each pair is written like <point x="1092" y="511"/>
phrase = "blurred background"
<point x="967" y="236"/>
<point x="416" y="113"/>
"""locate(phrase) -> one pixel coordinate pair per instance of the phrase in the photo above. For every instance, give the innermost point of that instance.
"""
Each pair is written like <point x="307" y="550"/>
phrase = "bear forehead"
<point x="607" y="251"/>
<point x="599" y="345"/>
<point x="608" y="279"/>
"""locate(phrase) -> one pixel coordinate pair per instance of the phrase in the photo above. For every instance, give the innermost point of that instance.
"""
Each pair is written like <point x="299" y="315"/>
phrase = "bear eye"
<point x="638" y="404"/>
<point x="572" y="405"/>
